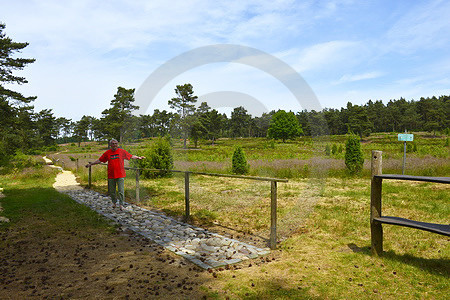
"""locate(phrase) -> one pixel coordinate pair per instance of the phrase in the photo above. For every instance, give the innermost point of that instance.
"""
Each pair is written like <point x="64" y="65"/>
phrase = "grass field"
<point x="323" y="222"/>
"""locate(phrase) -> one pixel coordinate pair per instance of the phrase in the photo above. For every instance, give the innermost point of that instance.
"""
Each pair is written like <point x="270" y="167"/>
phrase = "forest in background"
<point x="22" y="130"/>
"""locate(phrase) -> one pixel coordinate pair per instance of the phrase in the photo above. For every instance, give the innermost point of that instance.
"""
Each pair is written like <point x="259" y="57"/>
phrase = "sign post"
<point x="405" y="137"/>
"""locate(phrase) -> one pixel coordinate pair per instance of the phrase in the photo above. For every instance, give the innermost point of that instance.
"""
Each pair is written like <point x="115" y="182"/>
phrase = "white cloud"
<point x="425" y="26"/>
<point x="358" y="77"/>
<point x="325" y="55"/>
<point x="85" y="49"/>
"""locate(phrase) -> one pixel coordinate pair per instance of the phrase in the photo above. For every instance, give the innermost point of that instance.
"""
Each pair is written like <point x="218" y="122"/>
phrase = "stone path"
<point x="203" y="248"/>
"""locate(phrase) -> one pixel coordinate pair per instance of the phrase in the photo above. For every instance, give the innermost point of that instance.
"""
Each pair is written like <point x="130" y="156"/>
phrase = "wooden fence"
<point x="187" y="174"/>
<point x="376" y="217"/>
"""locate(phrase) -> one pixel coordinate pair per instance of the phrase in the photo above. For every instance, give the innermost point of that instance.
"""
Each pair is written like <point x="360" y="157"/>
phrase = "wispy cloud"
<point x="326" y="55"/>
<point x="425" y="26"/>
<point x="86" y="48"/>
<point x="358" y="77"/>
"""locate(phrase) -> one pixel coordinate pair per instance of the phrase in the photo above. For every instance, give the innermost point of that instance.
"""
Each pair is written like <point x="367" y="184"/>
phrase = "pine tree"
<point x="239" y="162"/>
<point x="184" y="104"/>
<point x="17" y="128"/>
<point x="354" y="159"/>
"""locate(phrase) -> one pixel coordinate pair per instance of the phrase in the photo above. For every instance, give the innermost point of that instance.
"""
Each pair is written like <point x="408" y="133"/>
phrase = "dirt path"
<point x="39" y="260"/>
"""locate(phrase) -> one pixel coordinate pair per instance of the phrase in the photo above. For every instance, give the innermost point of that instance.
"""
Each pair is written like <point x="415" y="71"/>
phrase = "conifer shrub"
<point x="354" y="159"/>
<point x="239" y="162"/>
<point x="334" y="149"/>
<point x="327" y="150"/>
<point x="158" y="156"/>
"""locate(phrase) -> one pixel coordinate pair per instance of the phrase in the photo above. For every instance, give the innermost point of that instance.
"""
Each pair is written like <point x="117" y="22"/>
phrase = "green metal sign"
<point x="405" y="137"/>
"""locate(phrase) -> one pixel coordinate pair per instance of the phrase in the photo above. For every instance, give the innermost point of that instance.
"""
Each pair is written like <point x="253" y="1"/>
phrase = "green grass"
<point x="329" y="255"/>
<point x="30" y="197"/>
<point x="323" y="226"/>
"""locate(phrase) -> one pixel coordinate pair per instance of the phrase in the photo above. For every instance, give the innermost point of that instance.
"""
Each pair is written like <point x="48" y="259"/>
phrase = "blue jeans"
<point x="112" y="189"/>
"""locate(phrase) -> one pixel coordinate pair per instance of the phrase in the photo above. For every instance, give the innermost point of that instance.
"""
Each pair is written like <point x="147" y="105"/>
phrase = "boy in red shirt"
<point x="115" y="157"/>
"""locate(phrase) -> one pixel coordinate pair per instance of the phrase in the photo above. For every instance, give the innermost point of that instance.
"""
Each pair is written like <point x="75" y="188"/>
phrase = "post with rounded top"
<point x="137" y="185"/>
<point x="90" y="177"/>
<point x="376" y="228"/>
<point x="186" y="196"/>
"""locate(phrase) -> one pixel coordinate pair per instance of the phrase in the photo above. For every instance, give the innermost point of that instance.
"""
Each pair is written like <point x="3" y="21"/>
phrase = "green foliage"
<point x="410" y="147"/>
<point x="354" y="159"/>
<point x="327" y="150"/>
<point x="284" y="126"/>
<point x="158" y="156"/>
<point x="240" y="122"/>
<point x="239" y="162"/>
<point x="21" y="161"/>
<point x="9" y="63"/>
<point x="17" y="124"/>
<point x="117" y="121"/>
<point x="334" y="149"/>
<point x="340" y="149"/>
<point x="184" y="104"/>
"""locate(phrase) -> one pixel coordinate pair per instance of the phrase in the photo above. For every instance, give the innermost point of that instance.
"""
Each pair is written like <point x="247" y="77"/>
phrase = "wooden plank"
<point x="414" y="178"/>
<point x="90" y="177"/>
<point x="137" y="186"/>
<point x="431" y="227"/>
<point x="186" y="196"/>
<point x="216" y="174"/>
<point x="273" y="215"/>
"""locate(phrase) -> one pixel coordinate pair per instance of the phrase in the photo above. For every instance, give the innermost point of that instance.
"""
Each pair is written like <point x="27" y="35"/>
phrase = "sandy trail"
<point x="65" y="180"/>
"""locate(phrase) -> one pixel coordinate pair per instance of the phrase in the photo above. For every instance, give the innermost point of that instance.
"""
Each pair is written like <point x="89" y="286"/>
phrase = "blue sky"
<point x="344" y="50"/>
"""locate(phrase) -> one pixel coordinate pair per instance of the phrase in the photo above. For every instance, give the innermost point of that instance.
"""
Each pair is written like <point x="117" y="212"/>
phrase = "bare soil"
<point x="96" y="265"/>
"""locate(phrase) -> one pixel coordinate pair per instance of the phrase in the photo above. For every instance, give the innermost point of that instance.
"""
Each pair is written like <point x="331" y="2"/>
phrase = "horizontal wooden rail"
<point x="414" y="178"/>
<point x="431" y="227"/>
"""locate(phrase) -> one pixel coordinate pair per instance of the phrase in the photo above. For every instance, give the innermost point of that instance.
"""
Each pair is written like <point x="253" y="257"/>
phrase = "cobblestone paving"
<point x="203" y="248"/>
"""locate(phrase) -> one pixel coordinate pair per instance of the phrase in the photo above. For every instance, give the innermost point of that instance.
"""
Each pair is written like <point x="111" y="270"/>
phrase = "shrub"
<point x="327" y="150"/>
<point x="239" y="163"/>
<point x="334" y="149"/>
<point x="158" y="156"/>
<point x="340" y="149"/>
<point x="21" y="161"/>
<point x="354" y="159"/>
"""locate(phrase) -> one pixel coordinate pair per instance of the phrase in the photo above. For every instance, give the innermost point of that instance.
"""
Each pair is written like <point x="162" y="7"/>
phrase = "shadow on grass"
<point x="436" y="266"/>
<point x="274" y="288"/>
<point x="59" y="210"/>
<point x="52" y="236"/>
<point x="432" y="265"/>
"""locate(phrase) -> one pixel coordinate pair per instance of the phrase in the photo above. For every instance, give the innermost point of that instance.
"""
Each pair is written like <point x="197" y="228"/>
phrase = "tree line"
<point x="427" y="114"/>
<point x="23" y="129"/>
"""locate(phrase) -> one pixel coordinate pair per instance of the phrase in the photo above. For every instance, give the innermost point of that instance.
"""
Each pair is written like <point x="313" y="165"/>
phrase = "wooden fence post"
<point x="90" y="177"/>
<point x="273" y="215"/>
<point x="376" y="228"/>
<point x="186" y="196"/>
<point x="137" y="185"/>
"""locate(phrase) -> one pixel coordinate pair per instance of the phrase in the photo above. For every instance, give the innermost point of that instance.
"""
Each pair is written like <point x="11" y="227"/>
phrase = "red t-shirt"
<point x="115" y="162"/>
